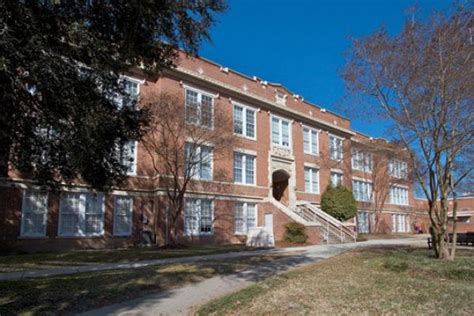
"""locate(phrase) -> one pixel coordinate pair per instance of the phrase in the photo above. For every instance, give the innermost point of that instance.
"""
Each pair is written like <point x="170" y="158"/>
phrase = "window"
<point x="128" y="157"/>
<point x="336" y="179"/>
<point x="398" y="169"/>
<point x="81" y="214"/>
<point x="34" y="213"/>
<point x="310" y="140"/>
<point x="131" y="90"/>
<point x="361" y="160"/>
<point x="398" y="195"/>
<point x="362" y="190"/>
<point x="311" y="180"/>
<point x="280" y="132"/>
<point x="400" y="223"/>
<point x="245" y="217"/>
<point x="199" y="108"/>
<point x="335" y="145"/>
<point x="280" y="98"/>
<point x="244" y="121"/>
<point x="244" y="168"/>
<point x="198" y="161"/>
<point x="198" y="217"/>
<point x="123" y="220"/>
<point x="363" y="222"/>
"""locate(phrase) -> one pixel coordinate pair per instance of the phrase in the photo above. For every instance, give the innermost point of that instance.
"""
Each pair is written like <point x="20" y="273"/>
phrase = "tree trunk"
<point x="4" y="156"/>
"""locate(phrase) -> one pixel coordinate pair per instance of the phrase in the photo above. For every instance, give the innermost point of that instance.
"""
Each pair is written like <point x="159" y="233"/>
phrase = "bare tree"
<point x="184" y="143"/>
<point x="421" y="80"/>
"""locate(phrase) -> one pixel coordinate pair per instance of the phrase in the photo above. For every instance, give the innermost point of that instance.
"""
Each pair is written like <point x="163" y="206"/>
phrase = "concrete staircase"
<point x="332" y="231"/>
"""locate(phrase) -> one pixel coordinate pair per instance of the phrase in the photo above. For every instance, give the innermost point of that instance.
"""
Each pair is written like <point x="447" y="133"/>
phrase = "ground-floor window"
<point x="34" y="213"/>
<point x="198" y="217"/>
<point x="123" y="212"/>
<point x="363" y="222"/>
<point x="81" y="214"/>
<point x="245" y="217"/>
<point x="400" y="223"/>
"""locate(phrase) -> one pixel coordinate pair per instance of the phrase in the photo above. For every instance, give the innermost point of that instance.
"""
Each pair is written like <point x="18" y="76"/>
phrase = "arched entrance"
<point x="280" y="185"/>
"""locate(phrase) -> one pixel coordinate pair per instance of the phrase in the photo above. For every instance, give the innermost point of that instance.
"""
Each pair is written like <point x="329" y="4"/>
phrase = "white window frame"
<point x="361" y="157"/>
<point x="115" y="232"/>
<point x="336" y="155"/>
<point x="311" y="140"/>
<point x="197" y="175"/>
<point x="245" y="108"/>
<point x="120" y="98"/>
<point x="200" y="93"/>
<point x="245" y="156"/>
<point x="400" y="223"/>
<point x="245" y="217"/>
<point x="311" y="172"/>
<point x="366" y="190"/>
<point x="82" y="215"/>
<point x="133" y="170"/>
<point x="363" y="229"/>
<point x="24" y="212"/>
<point x="197" y="231"/>
<point x="280" y="131"/>
<point x="396" y="196"/>
<point x="331" y="177"/>
<point x="398" y="168"/>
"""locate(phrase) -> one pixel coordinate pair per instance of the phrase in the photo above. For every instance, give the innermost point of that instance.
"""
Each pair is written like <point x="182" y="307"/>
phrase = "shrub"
<point x="339" y="203"/>
<point x="295" y="233"/>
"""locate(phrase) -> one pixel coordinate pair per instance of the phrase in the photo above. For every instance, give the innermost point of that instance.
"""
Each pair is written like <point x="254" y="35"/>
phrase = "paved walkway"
<point x="185" y="300"/>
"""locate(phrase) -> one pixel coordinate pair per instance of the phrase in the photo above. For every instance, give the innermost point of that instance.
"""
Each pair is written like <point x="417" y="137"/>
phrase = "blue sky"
<point x="301" y="43"/>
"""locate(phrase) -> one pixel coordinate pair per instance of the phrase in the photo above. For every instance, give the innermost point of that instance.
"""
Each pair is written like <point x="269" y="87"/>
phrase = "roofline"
<point x="180" y="71"/>
<point x="272" y="83"/>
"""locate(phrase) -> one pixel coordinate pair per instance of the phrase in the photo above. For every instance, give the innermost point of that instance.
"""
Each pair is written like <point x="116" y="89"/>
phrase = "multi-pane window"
<point x="400" y="223"/>
<point x="245" y="217"/>
<point x="244" y="121"/>
<point x="128" y="157"/>
<point x="398" y="195"/>
<point x="398" y="168"/>
<point x="198" y="161"/>
<point x="311" y="180"/>
<point x="336" y="178"/>
<point x="244" y="168"/>
<point x="199" y="108"/>
<point x="280" y="131"/>
<point x="361" y="160"/>
<point x="310" y="140"/>
<point x="34" y="213"/>
<point x="362" y="190"/>
<point x="335" y="147"/>
<point x="131" y="92"/>
<point x="81" y="214"/>
<point x="123" y="212"/>
<point x="363" y="222"/>
<point x="198" y="217"/>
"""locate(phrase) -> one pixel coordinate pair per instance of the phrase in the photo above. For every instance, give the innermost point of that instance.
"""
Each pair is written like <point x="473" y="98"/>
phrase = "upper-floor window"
<point x="335" y="147"/>
<point x="398" y="168"/>
<point x="198" y="161"/>
<point x="310" y="140"/>
<point x="199" y="108"/>
<point x="244" y="168"/>
<point x="280" y="131"/>
<point x="362" y="190"/>
<point x="336" y="178"/>
<point x="244" y="121"/>
<point x="398" y="195"/>
<point x="34" y="213"/>
<point x="280" y="98"/>
<point x="198" y="217"/>
<point x="245" y="217"/>
<point x="81" y="214"/>
<point x="131" y="90"/>
<point x="128" y="157"/>
<point x="361" y="160"/>
<point x="311" y="180"/>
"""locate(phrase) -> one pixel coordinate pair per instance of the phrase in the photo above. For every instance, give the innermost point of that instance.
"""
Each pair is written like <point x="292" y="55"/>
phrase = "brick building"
<point x="289" y="151"/>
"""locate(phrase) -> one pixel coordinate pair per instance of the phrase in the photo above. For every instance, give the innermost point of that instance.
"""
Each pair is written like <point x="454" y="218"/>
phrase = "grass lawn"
<point x="370" y="282"/>
<point x="85" y="291"/>
<point x="19" y="262"/>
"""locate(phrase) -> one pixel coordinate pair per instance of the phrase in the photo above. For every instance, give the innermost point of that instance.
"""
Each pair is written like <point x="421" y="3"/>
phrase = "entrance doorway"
<point x="280" y="185"/>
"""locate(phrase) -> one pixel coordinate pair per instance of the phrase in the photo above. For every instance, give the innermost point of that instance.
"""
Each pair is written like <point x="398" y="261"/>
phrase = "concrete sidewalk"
<point x="185" y="300"/>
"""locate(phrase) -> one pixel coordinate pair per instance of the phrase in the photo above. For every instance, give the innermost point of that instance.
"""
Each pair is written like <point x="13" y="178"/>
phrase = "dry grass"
<point x="85" y="291"/>
<point x="377" y="281"/>
<point x="20" y="262"/>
